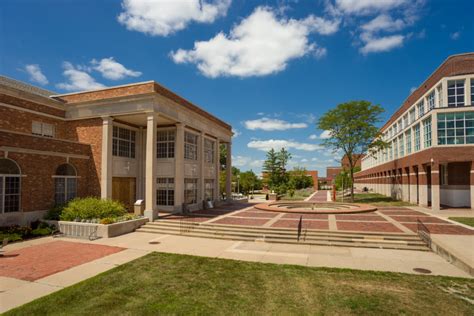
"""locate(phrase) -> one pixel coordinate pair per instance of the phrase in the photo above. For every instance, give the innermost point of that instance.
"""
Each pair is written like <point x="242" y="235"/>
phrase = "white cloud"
<point x="277" y="144"/>
<point x="455" y="35"/>
<point x="323" y="135"/>
<point x="165" y="17"/>
<point x="236" y="132"/>
<point x="383" y="22"/>
<point x="412" y="89"/>
<point x="78" y="80"/>
<point x="113" y="70"/>
<point x="245" y="161"/>
<point x="268" y="124"/>
<point x="36" y="75"/>
<point x="259" y="45"/>
<point x="381" y="44"/>
<point x="362" y="7"/>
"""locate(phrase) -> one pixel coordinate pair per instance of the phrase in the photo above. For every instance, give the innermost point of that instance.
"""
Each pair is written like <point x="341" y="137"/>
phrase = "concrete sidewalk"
<point x="17" y="292"/>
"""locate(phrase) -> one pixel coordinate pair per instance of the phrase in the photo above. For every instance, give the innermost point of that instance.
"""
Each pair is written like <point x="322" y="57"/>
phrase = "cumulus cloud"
<point x="323" y="135"/>
<point x="36" y="75"/>
<point x="246" y="161"/>
<point x="363" y="7"/>
<point x="381" y="44"/>
<point x="376" y="18"/>
<point x="259" y="45"/>
<point x="277" y="144"/>
<point x="269" y="124"/>
<point x="113" y="70"/>
<point x="77" y="79"/>
<point x="165" y="17"/>
<point x="236" y="132"/>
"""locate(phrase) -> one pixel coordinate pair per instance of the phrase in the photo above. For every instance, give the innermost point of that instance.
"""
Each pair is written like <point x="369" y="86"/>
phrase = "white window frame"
<point x="190" y="146"/>
<point x="456" y="95"/>
<point x="130" y="142"/>
<point x="3" y="184"/>
<point x="209" y="150"/>
<point x="166" y="184"/>
<point x="168" y="142"/>
<point x="190" y="190"/>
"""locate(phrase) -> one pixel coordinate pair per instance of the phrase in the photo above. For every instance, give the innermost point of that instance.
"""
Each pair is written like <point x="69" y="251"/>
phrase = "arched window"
<point x="9" y="186"/>
<point x="65" y="184"/>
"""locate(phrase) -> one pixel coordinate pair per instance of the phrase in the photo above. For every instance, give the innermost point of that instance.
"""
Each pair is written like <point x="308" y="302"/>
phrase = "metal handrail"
<point x="423" y="232"/>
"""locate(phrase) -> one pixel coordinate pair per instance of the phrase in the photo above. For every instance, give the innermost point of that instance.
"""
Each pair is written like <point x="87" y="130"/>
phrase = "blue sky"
<point x="268" y="68"/>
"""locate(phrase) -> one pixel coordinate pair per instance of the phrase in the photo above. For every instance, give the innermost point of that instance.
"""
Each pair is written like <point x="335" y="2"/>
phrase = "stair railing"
<point x="423" y="232"/>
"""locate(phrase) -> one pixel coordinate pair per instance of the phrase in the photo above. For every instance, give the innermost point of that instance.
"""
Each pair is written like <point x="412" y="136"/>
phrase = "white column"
<point x="150" y="174"/>
<point x="140" y="164"/>
<point x="179" y="167"/>
<point x="217" y="161"/>
<point x="201" y="167"/>
<point x="472" y="185"/>
<point x="106" y="163"/>
<point x="228" y="184"/>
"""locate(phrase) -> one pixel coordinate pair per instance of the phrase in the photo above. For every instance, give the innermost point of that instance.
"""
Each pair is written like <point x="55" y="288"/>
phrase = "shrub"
<point x="92" y="208"/>
<point x="54" y="213"/>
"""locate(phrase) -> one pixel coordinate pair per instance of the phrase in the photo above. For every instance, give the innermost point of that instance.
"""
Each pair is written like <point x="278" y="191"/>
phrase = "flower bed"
<point x="19" y="233"/>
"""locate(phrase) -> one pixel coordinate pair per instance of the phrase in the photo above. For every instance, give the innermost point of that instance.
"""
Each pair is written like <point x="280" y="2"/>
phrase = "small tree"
<point x="275" y="168"/>
<point x="352" y="128"/>
<point x="248" y="181"/>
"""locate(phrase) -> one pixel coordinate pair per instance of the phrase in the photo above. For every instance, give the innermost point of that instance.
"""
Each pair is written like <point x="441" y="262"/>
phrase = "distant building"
<point x="332" y="172"/>
<point x="430" y="160"/>
<point x="345" y="161"/>
<point x="313" y="174"/>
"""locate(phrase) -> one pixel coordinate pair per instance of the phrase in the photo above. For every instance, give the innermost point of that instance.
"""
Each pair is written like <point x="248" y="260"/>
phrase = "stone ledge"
<point x="83" y="230"/>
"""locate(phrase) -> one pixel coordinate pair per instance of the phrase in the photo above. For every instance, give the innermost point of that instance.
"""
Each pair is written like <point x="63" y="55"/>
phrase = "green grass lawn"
<point x="464" y="220"/>
<point x="177" y="284"/>
<point x="375" y="199"/>
<point x="299" y="195"/>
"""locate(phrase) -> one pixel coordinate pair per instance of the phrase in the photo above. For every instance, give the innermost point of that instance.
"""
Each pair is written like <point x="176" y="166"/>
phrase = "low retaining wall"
<point x="92" y="230"/>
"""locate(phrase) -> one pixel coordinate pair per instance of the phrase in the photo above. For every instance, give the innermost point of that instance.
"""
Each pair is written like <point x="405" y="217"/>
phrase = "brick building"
<point x="430" y="160"/>
<point x="356" y="157"/>
<point x="136" y="141"/>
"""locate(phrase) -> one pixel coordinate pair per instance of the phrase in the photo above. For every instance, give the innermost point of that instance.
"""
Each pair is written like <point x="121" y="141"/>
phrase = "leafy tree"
<point x="352" y="128"/>
<point x="248" y="181"/>
<point x="343" y="179"/>
<point x="283" y="157"/>
<point x="298" y="179"/>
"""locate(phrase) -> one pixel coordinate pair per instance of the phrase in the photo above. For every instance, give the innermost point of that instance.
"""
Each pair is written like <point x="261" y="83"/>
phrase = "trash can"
<point x="139" y="207"/>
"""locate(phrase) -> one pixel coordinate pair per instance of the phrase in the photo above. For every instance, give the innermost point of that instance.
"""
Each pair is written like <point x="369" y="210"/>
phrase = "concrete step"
<point x="271" y="239"/>
<point x="288" y="231"/>
<point x="286" y="235"/>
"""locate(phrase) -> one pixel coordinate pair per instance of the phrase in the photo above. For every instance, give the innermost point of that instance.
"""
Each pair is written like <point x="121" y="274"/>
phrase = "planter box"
<point x="93" y="231"/>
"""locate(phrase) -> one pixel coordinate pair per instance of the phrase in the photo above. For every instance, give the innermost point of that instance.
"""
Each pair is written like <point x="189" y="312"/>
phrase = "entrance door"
<point x="123" y="190"/>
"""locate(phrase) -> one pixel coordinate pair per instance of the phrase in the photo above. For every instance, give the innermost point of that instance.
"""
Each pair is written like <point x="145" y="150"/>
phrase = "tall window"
<point x="209" y="151"/>
<point x="455" y="93"/>
<point x="405" y="121"/>
<point x="472" y="91"/>
<point x="431" y="101"/>
<point x="439" y="90"/>
<point x="42" y="129"/>
<point x="427" y="132"/>
<point x="421" y="109"/>
<point x="209" y="189"/>
<point x="412" y="115"/>
<point x="9" y="186"/>
<point x="391" y="151"/>
<point x="165" y="191"/>
<point x="401" y="146"/>
<point x="190" y="191"/>
<point x="65" y="184"/>
<point x="190" y="146"/>
<point x="395" y="148"/>
<point x="456" y="128"/>
<point x="123" y="142"/>
<point x="165" y="144"/>
<point x="408" y="141"/>
<point x="417" y="137"/>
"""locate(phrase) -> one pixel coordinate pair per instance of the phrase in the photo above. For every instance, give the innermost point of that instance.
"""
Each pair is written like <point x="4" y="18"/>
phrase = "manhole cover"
<point x="421" y="270"/>
<point x="154" y="242"/>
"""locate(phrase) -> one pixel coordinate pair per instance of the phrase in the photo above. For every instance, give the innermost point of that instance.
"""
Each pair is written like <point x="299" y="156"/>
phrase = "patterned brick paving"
<point x="36" y="262"/>
<point x="305" y="216"/>
<point x="360" y="217"/>
<point x="309" y="224"/>
<point x="246" y="215"/>
<point x="451" y="229"/>
<point x="368" y="227"/>
<point x="256" y="214"/>
<point x="424" y="219"/>
<point x="241" y="221"/>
